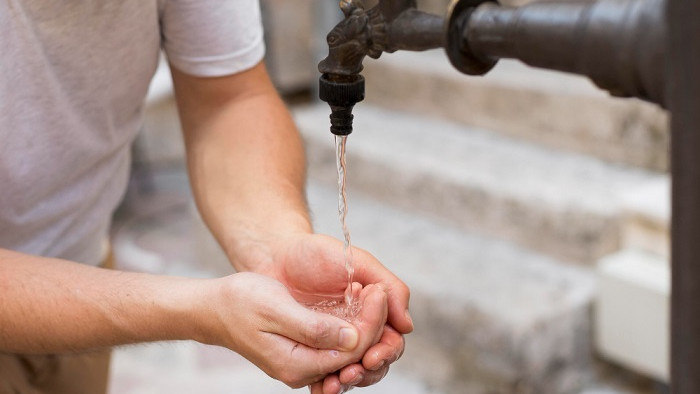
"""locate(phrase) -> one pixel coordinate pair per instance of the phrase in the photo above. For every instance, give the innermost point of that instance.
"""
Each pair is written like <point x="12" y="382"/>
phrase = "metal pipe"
<point x="684" y="104"/>
<point x="416" y="31"/>
<point x="619" y="44"/>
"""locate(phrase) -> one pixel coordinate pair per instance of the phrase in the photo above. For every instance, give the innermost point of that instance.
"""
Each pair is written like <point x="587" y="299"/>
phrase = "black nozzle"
<point x="341" y="92"/>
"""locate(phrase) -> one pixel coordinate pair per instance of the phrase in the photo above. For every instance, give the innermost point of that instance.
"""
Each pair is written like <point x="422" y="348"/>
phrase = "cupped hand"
<point x="257" y="317"/>
<point x="312" y="265"/>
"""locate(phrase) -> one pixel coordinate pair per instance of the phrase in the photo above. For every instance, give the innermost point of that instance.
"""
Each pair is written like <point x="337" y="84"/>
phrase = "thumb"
<point x="315" y="329"/>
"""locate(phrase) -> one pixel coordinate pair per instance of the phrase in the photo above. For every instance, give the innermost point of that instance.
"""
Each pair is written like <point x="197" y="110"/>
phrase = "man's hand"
<point x="257" y="317"/>
<point x="313" y="265"/>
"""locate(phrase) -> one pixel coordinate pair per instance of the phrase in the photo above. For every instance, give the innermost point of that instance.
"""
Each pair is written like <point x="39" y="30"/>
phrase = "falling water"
<point x="350" y="307"/>
<point x="340" y="142"/>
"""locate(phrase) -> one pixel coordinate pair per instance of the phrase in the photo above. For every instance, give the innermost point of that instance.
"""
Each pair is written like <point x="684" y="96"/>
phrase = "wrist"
<point x="179" y="309"/>
<point x="217" y="303"/>
<point x="252" y="246"/>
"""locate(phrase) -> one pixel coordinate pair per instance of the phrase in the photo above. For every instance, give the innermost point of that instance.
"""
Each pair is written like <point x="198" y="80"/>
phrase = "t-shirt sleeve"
<point x="211" y="38"/>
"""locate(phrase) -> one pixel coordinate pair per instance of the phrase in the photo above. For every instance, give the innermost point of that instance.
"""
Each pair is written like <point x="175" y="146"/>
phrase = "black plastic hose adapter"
<point x="341" y="93"/>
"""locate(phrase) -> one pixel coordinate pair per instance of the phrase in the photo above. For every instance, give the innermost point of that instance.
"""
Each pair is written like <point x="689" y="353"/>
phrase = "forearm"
<point x="54" y="306"/>
<point x="247" y="167"/>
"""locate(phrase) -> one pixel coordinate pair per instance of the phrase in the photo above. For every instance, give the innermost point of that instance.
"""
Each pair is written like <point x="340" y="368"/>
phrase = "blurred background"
<point x="527" y="210"/>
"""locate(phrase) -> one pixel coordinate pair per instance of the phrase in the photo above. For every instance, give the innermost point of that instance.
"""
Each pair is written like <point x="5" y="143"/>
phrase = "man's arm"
<point x="56" y="306"/>
<point x="247" y="169"/>
<point x="246" y="164"/>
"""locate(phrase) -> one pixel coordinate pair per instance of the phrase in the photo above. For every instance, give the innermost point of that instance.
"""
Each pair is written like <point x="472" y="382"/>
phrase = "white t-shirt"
<point x="73" y="78"/>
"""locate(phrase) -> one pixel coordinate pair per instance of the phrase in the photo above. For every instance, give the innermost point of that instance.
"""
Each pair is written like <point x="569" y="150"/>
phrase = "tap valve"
<point x="341" y="92"/>
<point x="387" y="26"/>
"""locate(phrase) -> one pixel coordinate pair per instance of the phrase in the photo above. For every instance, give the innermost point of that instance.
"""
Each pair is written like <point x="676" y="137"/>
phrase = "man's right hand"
<point x="256" y="316"/>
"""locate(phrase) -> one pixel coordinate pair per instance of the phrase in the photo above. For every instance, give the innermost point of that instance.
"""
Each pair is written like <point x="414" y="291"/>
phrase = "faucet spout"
<point x="388" y="26"/>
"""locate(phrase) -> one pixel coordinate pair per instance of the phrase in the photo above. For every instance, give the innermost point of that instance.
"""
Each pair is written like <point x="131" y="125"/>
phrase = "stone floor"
<point x="156" y="230"/>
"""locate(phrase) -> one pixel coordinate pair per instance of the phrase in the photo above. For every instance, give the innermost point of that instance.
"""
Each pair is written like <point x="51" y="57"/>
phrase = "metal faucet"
<point x="618" y="44"/>
<point x="369" y="30"/>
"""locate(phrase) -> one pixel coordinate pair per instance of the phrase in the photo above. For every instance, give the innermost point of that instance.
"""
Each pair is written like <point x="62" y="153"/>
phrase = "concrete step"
<point x="554" y="109"/>
<point x="647" y="218"/>
<point x="632" y="316"/>
<point x="490" y="317"/>
<point x="565" y="205"/>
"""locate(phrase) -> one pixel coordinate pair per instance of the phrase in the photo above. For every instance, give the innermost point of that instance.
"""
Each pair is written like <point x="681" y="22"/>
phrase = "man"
<point x="74" y="77"/>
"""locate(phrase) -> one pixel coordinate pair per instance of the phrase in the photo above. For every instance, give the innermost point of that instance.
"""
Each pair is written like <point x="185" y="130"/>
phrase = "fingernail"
<point x="348" y="338"/>
<point x="357" y="380"/>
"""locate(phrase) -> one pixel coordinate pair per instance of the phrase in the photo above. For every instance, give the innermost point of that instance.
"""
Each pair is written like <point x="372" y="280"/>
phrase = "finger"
<point x="373" y="377"/>
<point x="369" y="270"/>
<point x="316" y="388"/>
<point x="388" y="350"/>
<point x="356" y="289"/>
<point x="314" y="329"/>
<point x="331" y="384"/>
<point x="356" y="376"/>
<point x="352" y="374"/>
<point x="369" y="324"/>
<point x="372" y="313"/>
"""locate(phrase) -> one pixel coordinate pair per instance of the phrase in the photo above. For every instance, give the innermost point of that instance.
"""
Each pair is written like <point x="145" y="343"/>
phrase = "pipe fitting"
<point x="341" y="93"/>
<point x="462" y="57"/>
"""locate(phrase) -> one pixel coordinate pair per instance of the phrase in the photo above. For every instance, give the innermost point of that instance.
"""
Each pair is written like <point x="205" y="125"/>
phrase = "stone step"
<point x="489" y="317"/>
<point x="647" y="218"/>
<point x="632" y="316"/>
<point x="551" y="108"/>
<point x="565" y="205"/>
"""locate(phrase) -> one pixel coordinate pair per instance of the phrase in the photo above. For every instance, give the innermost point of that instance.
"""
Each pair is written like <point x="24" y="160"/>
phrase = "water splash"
<point x="340" y="309"/>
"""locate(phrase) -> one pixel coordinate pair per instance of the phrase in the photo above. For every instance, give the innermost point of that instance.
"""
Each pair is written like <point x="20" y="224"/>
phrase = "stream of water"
<point x="348" y="307"/>
<point x="340" y="142"/>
